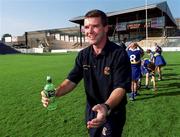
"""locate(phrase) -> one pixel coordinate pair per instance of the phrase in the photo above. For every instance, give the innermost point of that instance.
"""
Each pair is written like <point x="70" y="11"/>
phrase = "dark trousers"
<point x="113" y="126"/>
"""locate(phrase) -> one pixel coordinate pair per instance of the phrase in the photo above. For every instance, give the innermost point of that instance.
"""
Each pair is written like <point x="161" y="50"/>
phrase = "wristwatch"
<point x="108" y="109"/>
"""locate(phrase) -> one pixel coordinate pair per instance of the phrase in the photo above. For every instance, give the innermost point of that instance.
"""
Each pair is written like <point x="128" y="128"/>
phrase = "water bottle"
<point x="49" y="90"/>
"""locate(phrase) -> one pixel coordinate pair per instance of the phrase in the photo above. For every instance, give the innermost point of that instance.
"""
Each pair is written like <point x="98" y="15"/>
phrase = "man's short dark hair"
<point x="98" y="13"/>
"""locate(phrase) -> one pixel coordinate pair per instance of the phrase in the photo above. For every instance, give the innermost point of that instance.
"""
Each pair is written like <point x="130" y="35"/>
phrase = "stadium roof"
<point x="163" y="7"/>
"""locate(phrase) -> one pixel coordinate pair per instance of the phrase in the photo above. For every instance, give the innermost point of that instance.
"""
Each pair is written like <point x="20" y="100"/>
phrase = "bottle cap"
<point x="48" y="78"/>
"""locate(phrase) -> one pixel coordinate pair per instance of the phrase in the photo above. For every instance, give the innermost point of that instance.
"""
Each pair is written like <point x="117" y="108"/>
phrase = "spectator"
<point x="123" y="44"/>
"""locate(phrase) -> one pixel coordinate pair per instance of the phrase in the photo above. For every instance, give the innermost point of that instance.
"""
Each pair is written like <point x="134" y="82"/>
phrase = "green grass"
<point x="22" y="77"/>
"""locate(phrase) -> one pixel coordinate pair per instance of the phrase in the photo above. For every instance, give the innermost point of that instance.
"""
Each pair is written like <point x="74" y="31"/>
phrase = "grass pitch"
<point x="22" y="77"/>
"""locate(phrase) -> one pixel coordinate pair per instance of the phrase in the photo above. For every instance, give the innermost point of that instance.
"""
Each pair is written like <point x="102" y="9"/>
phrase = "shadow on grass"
<point x="145" y="96"/>
<point x="167" y="69"/>
<point x="170" y="76"/>
<point x="152" y="95"/>
<point x="175" y="85"/>
<point x="161" y="91"/>
<point x="174" y="93"/>
<point x="173" y="64"/>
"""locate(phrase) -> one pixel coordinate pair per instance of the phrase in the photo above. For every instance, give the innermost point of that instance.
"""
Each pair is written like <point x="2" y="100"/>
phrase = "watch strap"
<point x="108" y="109"/>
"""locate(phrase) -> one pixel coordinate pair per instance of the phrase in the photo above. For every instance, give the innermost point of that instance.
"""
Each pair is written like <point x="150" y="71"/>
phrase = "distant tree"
<point x="5" y="35"/>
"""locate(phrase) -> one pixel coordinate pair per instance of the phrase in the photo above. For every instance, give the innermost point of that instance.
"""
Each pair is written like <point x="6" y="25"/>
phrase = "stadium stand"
<point x="59" y="44"/>
<point x="172" y="42"/>
<point x="162" y="41"/>
<point x="130" y="23"/>
<point x="5" y="49"/>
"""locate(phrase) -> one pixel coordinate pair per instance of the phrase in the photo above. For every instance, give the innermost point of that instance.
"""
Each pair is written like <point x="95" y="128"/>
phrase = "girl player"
<point x="135" y="52"/>
<point x="148" y="68"/>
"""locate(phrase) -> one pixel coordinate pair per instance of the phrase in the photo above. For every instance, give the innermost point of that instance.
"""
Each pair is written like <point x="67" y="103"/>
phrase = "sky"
<point x="19" y="16"/>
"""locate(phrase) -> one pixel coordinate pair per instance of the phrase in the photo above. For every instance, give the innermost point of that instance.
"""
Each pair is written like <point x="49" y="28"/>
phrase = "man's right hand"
<point x="44" y="99"/>
<point x="101" y="116"/>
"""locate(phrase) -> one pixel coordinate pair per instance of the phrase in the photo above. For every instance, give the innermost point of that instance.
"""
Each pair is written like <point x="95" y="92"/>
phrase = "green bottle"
<point x="49" y="90"/>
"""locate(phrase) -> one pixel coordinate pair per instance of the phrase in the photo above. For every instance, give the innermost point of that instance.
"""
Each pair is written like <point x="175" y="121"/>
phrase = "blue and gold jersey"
<point x="134" y="56"/>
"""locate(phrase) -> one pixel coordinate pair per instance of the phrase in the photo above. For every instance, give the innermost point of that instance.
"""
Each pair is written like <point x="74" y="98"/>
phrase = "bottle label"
<point x="51" y="93"/>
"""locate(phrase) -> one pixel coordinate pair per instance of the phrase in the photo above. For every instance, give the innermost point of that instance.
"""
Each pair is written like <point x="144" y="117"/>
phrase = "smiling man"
<point x="106" y="70"/>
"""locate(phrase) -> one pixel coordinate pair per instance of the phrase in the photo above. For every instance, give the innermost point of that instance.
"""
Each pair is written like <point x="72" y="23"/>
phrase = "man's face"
<point x="94" y="30"/>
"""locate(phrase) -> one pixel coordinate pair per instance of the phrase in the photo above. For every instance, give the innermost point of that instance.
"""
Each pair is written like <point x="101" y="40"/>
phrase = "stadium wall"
<point x="41" y="50"/>
<point x="66" y="50"/>
<point x="165" y="49"/>
<point x="32" y="50"/>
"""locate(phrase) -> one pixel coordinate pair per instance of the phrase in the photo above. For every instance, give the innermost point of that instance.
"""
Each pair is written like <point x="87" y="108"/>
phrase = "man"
<point x="124" y="43"/>
<point x="106" y="71"/>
